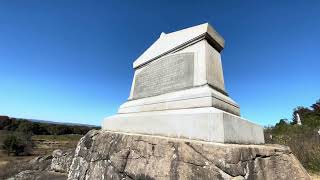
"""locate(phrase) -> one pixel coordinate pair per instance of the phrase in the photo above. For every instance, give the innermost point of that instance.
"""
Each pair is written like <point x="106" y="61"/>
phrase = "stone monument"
<point x="177" y="110"/>
<point x="178" y="91"/>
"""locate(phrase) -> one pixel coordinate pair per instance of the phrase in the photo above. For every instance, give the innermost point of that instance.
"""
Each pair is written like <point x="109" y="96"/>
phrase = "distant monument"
<point x="178" y="91"/>
<point x="298" y="119"/>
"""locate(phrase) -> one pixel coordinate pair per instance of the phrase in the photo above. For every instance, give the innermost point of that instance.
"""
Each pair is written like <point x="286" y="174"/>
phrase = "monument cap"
<point x="171" y="42"/>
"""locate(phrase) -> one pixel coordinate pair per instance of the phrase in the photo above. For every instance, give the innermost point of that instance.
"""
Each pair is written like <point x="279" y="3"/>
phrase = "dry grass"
<point x="11" y="165"/>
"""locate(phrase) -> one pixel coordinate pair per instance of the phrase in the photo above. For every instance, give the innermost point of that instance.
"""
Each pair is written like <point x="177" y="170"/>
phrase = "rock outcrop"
<point x="108" y="155"/>
<point x="53" y="167"/>
<point x="62" y="160"/>
<point x="41" y="163"/>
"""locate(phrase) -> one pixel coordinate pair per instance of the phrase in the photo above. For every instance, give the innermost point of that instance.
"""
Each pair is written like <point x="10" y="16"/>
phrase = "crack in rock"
<point x="174" y="175"/>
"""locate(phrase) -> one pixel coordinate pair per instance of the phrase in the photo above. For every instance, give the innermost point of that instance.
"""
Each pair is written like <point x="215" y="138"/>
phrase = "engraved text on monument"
<point x="165" y="75"/>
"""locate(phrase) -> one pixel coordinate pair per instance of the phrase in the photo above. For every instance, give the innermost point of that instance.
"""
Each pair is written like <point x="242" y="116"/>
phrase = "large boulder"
<point x="40" y="163"/>
<point x="108" y="155"/>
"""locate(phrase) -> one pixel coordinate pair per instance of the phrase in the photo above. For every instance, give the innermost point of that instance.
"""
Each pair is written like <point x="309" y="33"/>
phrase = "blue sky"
<point x="71" y="61"/>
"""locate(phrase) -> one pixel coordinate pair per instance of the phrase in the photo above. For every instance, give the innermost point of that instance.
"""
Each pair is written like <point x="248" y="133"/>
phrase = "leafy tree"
<point x="39" y="129"/>
<point x="316" y="106"/>
<point x="25" y="127"/>
<point x="281" y="126"/>
<point x="303" y="113"/>
<point x="4" y="121"/>
<point x="10" y="144"/>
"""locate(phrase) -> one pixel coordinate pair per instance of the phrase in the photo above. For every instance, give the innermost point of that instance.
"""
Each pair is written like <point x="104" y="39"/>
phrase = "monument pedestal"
<point x="206" y="124"/>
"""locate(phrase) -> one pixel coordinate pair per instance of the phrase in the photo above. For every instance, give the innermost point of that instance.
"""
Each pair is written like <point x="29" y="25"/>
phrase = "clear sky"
<point x="71" y="61"/>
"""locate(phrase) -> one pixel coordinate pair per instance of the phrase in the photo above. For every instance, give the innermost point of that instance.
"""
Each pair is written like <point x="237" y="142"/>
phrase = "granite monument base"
<point x="110" y="155"/>
<point x="206" y="124"/>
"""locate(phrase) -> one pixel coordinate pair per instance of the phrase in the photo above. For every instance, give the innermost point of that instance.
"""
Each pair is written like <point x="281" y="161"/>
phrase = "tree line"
<point x="39" y="128"/>
<point x="18" y="140"/>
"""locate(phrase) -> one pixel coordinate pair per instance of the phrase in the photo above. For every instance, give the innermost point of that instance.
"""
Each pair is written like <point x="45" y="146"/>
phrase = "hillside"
<point x="22" y="140"/>
<point x="304" y="139"/>
<point x="29" y="133"/>
<point x="41" y="127"/>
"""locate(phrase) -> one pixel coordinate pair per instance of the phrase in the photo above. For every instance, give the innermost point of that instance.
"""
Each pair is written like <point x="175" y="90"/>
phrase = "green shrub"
<point x="17" y="144"/>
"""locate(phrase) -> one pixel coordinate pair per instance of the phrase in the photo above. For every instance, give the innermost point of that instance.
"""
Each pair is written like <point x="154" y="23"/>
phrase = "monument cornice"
<point x="201" y="37"/>
<point x="175" y="41"/>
